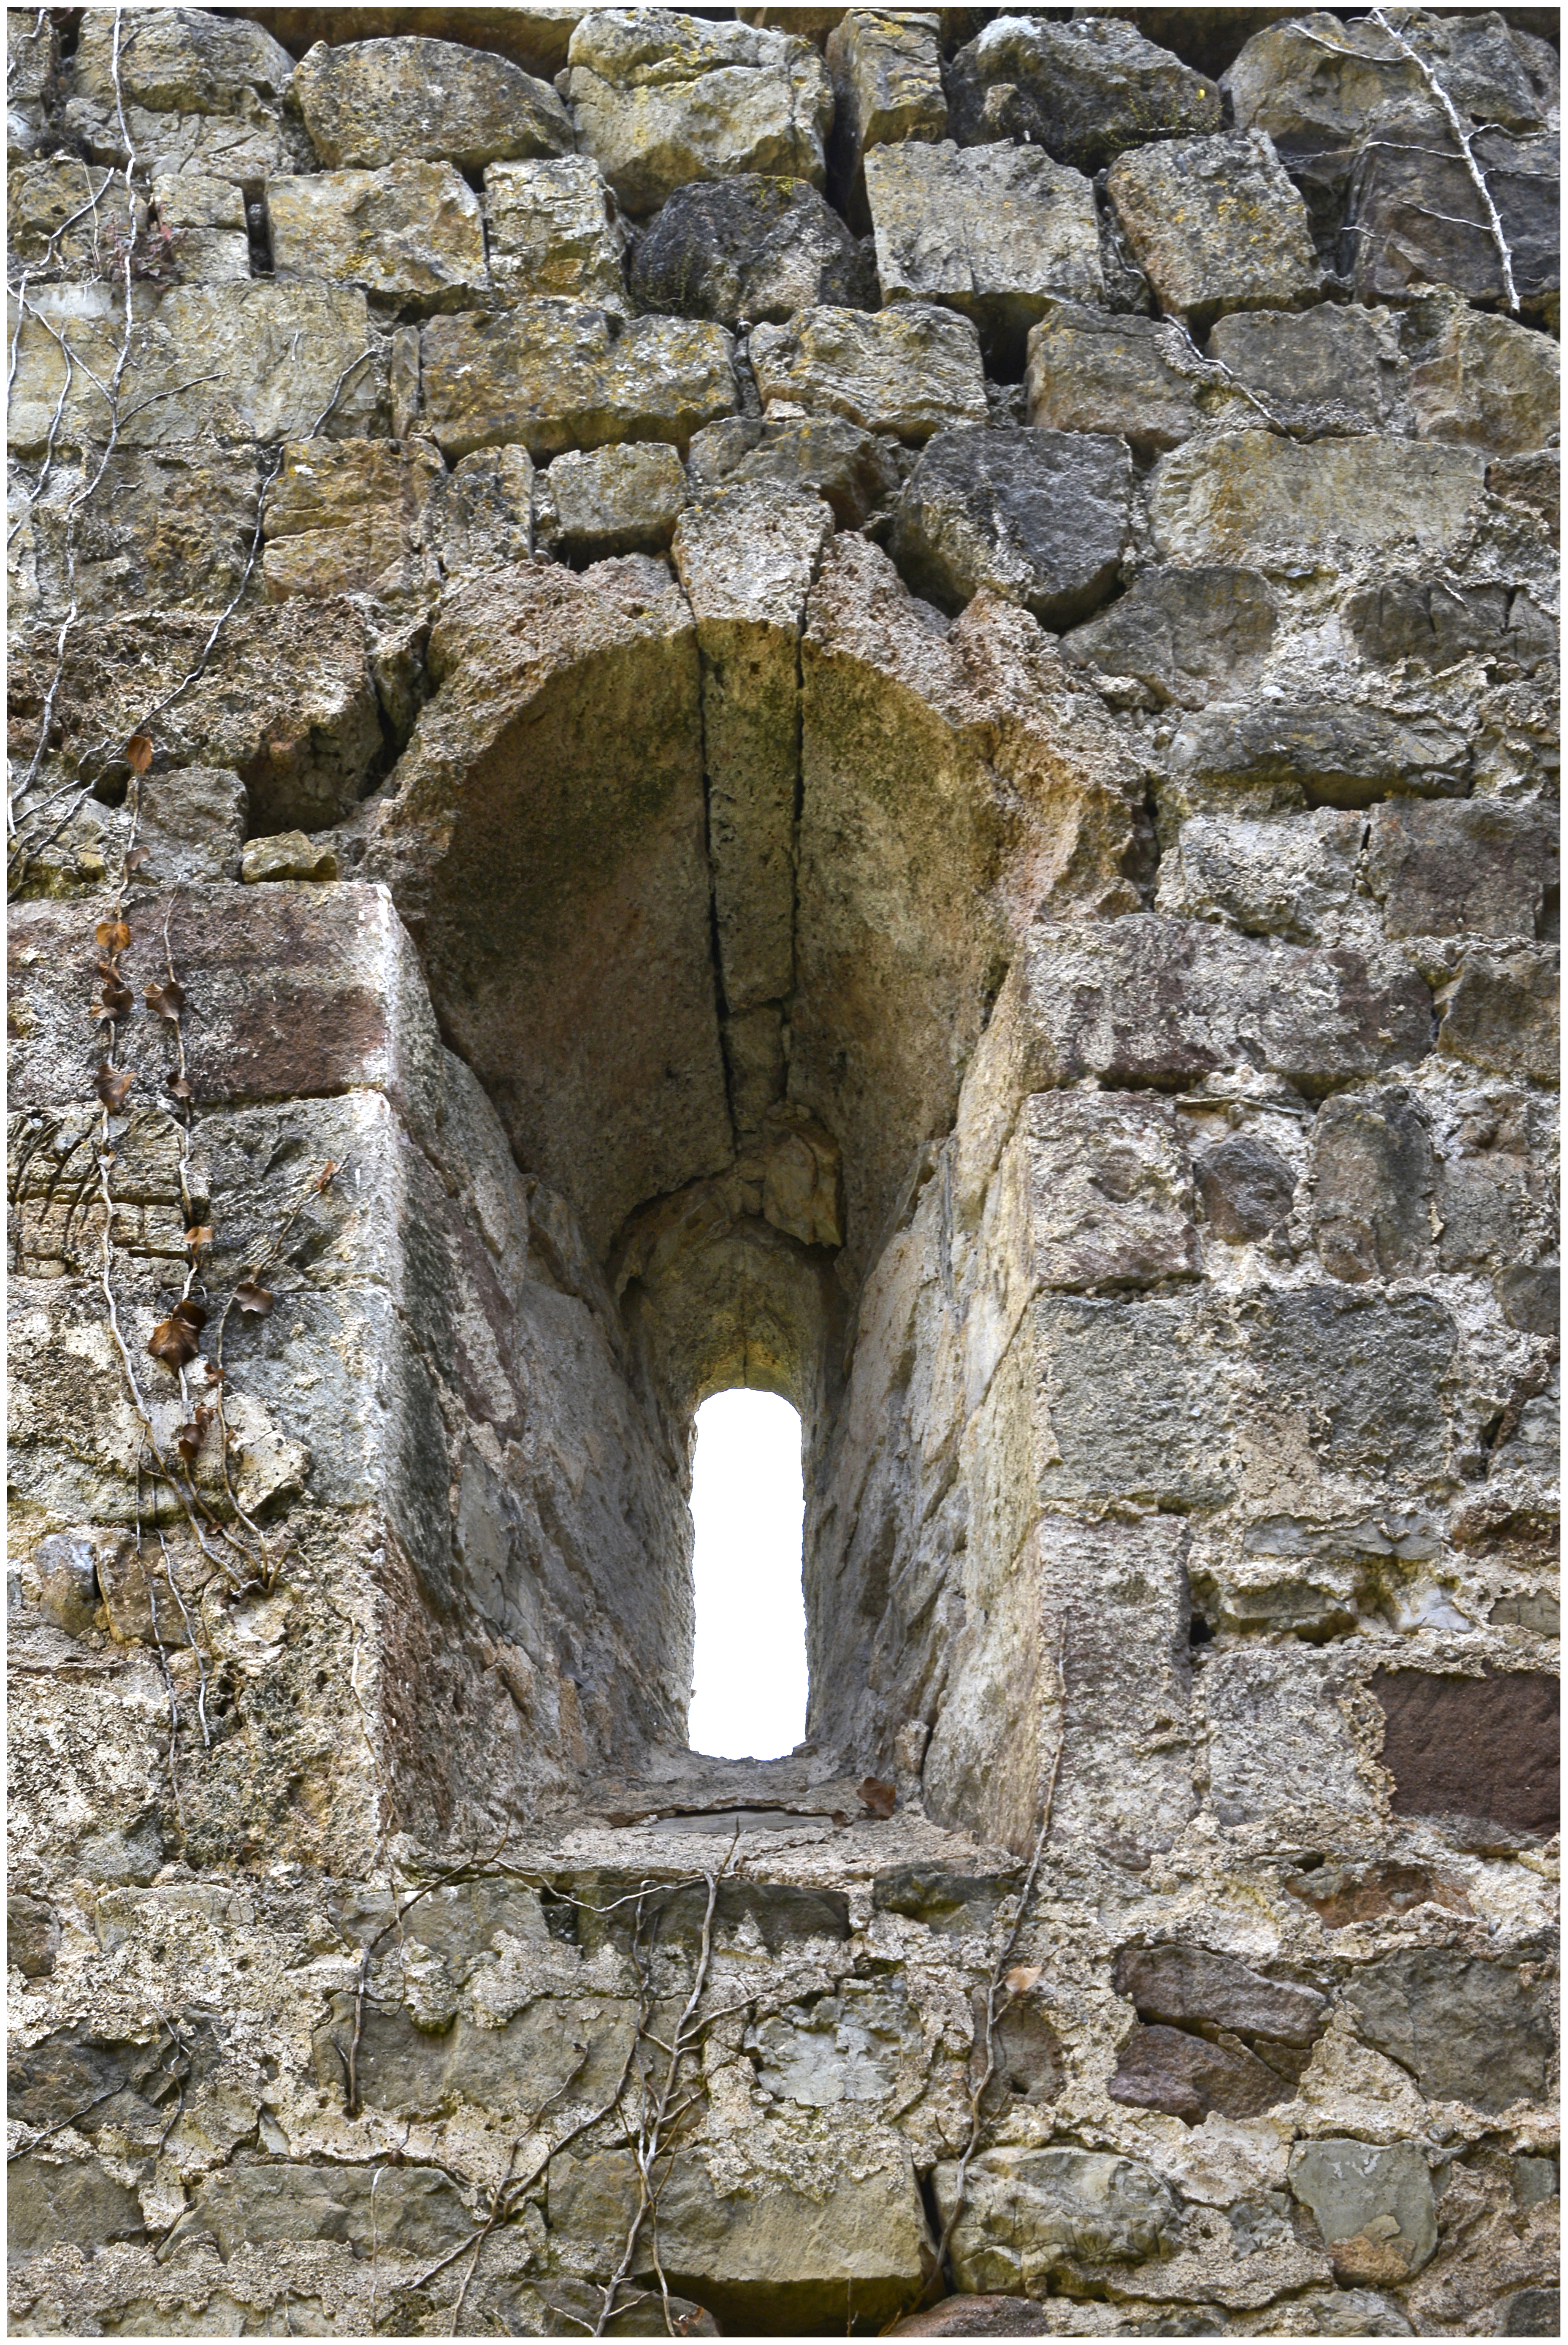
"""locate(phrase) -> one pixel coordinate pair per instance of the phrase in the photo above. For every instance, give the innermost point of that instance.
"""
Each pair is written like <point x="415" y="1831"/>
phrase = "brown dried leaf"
<point x="189" y="1439"/>
<point x="167" y="998"/>
<point x="173" y="1343"/>
<point x="879" y="1798"/>
<point x="117" y="999"/>
<point x="138" y="753"/>
<point x="111" y="936"/>
<point x="254" y="1298"/>
<point x="200" y="1235"/>
<point x="112" y="1084"/>
<point x="327" y="1173"/>
<point x="190" y="1312"/>
<point x="1022" y="1977"/>
<point x="136" y="857"/>
<point x="180" y="1089"/>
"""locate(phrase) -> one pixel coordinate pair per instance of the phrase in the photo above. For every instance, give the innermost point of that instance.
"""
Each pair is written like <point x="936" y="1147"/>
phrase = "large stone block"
<point x="1468" y="2029"/>
<point x="1487" y="382"/>
<point x="852" y="470"/>
<point x="1085" y="91"/>
<point x="1328" y="370"/>
<point x="1111" y="1192"/>
<point x="747" y="247"/>
<point x="1436" y="625"/>
<point x="167" y="526"/>
<point x="617" y="500"/>
<point x="1363" y="1383"/>
<point x="557" y="375"/>
<point x="1419" y="219"/>
<point x="66" y="214"/>
<point x="410" y="2209"/>
<point x="995" y="232"/>
<point x="348" y="517"/>
<point x="887" y="70"/>
<point x="1096" y="371"/>
<point x="1504" y="1013"/>
<point x="1478" y="868"/>
<point x="1329" y="751"/>
<point x="1025" y="2211"/>
<point x="205" y="224"/>
<point x="370" y="103"/>
<point x="1041" y="518"/>
<point x="197" y="92"/>
<point x="410" y="234"/>
<point x="1276" y="504"/>
<point x="1181" y="636"/>
<point x="1215" y="225"/>
<point x="1371" y="1186"/>
<point x="551" y="229"/>
<point x="911" y="369"/>
<point x="1481" y="1748"/>
<point x="660" y="99"/>
<point x="1289" y="876"/>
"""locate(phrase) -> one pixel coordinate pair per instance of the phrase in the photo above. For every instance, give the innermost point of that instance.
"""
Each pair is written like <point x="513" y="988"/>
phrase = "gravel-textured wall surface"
<point x="861" y="702"/>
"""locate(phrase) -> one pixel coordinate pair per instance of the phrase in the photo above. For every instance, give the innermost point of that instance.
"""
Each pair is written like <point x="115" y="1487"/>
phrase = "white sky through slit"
<point x="751" y="1680"/>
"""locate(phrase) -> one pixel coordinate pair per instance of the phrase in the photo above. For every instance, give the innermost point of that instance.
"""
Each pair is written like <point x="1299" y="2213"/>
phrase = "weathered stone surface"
<point x="1488" y="381"/>
<point x="67" y="217"/>
<point x="1041" y="518"/>
<point x="204" y="223"/>
<point x="224" y="362"/>
<point x="1181" y="636"/>
<point x="1481" y="1747"/>
<point x="750" y="246"/>
<point x="852" y="470"/>
<point x="1374" y="2206"/>
<point x="192" y="823"/>
<point x="198" y="93"/>
<point x="1469" y="2029"/>
<point x="659" y="99"/>
<point x="1155" y="1428"/>
<point x="32" y="1935"/>
<point x="887" y="70"/>
<point x="1477" y="867"/>
<point x="551" y="229"/>
<point x="411" y="233"/>
<point x="1438" y="624"/>
<point x="1329" y="370"/>
<point x="618" y="500"/>
<point x="1419" y="219"/>
<point x="1503" y="1015"/>
<point x="995" y="232"/>
<point x="978" y="2316"/>
<point x="1096" y="371"/>
<point x="554" y="375"/>
<point x="1149" y="1000"/>
<point x="1325" y="751"/>
<point x="1085" y="91"/>
<point x="1372" y="1181"/>
<point x="348" y="517"/>
<point x="1215" y="225"/>
<point x="847" y="2047"/>
<point x="1245" y="1188"/>
<point x="1258" y="499"/>
<point x="1534" y="2312"/>
<point x="370" y="103"/>
<point x="482" y="516"/>
<point x="32" y="83"/>
<point x="1369" y="1375"/>
<point x="167" y="526"/>
<point x="48" y="2201"/>
<point x="288" y="854"/>
<point x="415" y="2209"/>
<point x="746" y="556"/>
<point x="1341" y="1895"/>
<point x="1027" y="2210"/>
<point x="1531" y="1297"/>
<point x="1110" y="1193"/>
<point x="911" y="370"/>
<point x="1188" y="2075"/>
<point x="1177" y="1986"/>
<point x="1285" y="875"/>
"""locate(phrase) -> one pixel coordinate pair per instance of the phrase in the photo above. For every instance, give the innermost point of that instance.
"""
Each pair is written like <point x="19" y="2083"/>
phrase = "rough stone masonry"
<point x="858" y="701"/>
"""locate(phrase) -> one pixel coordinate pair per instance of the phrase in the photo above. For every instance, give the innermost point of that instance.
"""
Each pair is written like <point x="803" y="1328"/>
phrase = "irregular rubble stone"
<point x="191" y="820"/>
<point x="748" y="247"/>
<point x="1111" y="1193"/>
<point x="67" y="215"/>
<point x="32" y="1935"/>
<point x="1085" y="91"/>
<point x="1025" y="2211"/>
<point x="1469" y="2029"/>
<point x="289" y="855"/>
<point x="483" y="512"/>
<point x="1093" y="369"/>
<point x="1419" y="220"/>
<point x="205" y="222"/>
<point x="409" y="234"/>
<point x="659" y="99"/>
<point x="887" y="70"/>
<point x="1181" y="634"/>
<point x="1158" y="1435"/>
<point x="1188" y="2075"/>
<point x="1504" y="1014"/>
<point x="995" y="232"/>
<point x="1479" y="867"/>
<point x="911" y="369"/>
<point x="1041" y="518"/>
<point x="1483" y="1747"/>
<point x="346" y="517"/>
<point x="1530" y="484"/>
<point x="1531" y="1299"/>
<point x="180" y="60"/>
<point x="1255" y="498"/>
<point x="1374" y="2206"/>
<point x="855" y="471"/>
<point x="552" y="228"/>
<point x="1327" y="369"/>
<point x="1215" y="225"/>
<point x="1341" y="1895"/>
<point x="978" y="2316"/>
<point x="415" y="2209"/>
<point x="616" y="501"/>
<point x="1370" y="1375"/>
<point x="32" y="80"/>
<point x="554" y="375"/>
<point x="1245" y="1188"/>
<point x="47" y="2202"/>
<point x="1331" y="753"/>
<point x="168" y="526"/>
<point x="370" y="103"/>
<point x="1372" y="1175"/>
<point x="1285" y="876"/>
<point x="1438" y="624"/>
<point x="1488" y="381"/>
<point x="1179" y="1986"/>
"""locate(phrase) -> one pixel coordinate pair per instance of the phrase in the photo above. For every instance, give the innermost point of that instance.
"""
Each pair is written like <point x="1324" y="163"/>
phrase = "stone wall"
<point x="862" y="703"/>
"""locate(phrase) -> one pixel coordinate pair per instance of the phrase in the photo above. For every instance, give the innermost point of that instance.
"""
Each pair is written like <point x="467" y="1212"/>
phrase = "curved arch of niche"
<point x="714" y="880"/>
